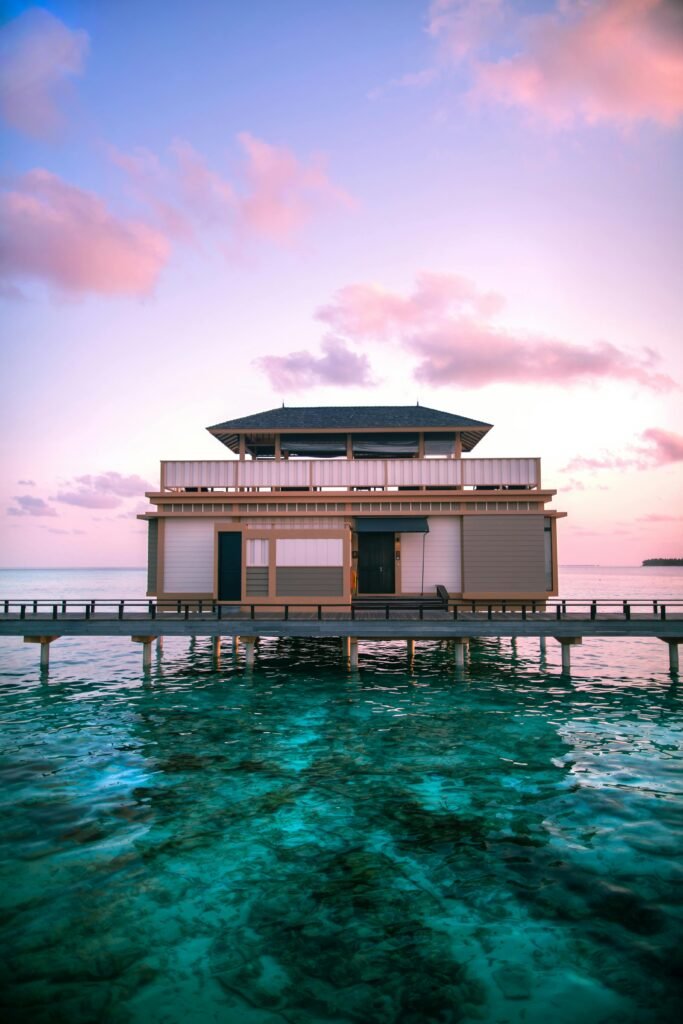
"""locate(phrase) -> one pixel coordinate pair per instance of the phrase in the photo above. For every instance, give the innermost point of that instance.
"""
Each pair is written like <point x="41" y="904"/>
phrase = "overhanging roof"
<point x="392" y="524"/>
<point x="348" y="419"/>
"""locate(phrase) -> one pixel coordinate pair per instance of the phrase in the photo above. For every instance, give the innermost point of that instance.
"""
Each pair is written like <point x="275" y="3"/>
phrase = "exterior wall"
<point x="504" y="555"/>
<point x="442" y="557"/>
<point x="188" y="556"/>
<point x="152" y="555"/>
<point x="309" y="565"/>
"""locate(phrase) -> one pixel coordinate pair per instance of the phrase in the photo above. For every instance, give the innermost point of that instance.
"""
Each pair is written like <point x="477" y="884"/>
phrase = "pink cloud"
<point x="338" y="366"/>
<point x="661" y="448"/>
<point x="274" y="194"/>
<point x="445" y="322"/>
<point x="68" y="238"/>
<point x="654" y="518"/>
<point x="105" y="490"/>
<point x="26" y="483"/>
<point x="595" y="61"/>
<point x="27" y="505"/>
<point x="38" y="56"/>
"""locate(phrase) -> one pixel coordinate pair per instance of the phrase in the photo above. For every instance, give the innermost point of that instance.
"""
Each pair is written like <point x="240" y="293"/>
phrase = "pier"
<point x="568" y="622"/>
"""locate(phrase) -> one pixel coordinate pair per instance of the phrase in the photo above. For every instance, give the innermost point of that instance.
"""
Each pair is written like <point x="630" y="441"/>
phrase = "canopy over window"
<point x="392" y="524"/>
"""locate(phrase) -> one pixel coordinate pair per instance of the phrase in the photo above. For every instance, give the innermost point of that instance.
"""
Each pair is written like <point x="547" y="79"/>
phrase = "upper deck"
<point x="350" y="475"/>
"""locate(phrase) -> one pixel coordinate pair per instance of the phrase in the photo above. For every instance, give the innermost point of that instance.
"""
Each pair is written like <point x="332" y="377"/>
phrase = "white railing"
<point x="339" y="474"/>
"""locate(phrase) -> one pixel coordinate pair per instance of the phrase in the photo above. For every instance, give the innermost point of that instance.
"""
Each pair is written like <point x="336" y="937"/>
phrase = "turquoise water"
<point x="309" y="846"/>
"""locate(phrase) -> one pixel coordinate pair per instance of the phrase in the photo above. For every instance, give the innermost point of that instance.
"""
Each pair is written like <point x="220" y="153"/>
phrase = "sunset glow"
<point x="211" y="209"/>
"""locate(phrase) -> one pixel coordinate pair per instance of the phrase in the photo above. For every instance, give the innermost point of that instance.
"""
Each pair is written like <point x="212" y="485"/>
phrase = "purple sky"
<point x="210" y="209"/>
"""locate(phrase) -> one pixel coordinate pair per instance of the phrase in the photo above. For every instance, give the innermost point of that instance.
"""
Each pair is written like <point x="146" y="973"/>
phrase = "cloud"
<point x="654" y="518"/>
<point x="105" y="490"/>
<point x="38" y="56"/>
<point x="338" y="366"/>
<point x="68" y="238"/>
<point x="26" y="483"/>
<point x="656" y="448"/>
<point x="27" y="505"/>
<point x="272" y="195"/>
<point x="446" y="324"/>
<point x="599" y="60"/>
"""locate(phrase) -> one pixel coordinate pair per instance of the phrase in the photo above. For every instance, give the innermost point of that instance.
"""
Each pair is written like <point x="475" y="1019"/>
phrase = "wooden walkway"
<point x="569" y="622"/>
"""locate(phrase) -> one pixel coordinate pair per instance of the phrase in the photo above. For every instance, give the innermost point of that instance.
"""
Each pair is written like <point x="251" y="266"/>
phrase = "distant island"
<point x="663" y="561"/>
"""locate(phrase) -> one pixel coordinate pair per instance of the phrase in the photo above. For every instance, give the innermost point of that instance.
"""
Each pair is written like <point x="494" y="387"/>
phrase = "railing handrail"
<point x="200" y="608"/>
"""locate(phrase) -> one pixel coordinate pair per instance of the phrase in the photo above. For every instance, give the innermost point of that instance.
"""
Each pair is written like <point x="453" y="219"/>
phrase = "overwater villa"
<point x="345" y="504"/>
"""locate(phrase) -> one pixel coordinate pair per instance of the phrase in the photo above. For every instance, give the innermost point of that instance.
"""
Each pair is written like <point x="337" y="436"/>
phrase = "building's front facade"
<point x="319" y="505"/>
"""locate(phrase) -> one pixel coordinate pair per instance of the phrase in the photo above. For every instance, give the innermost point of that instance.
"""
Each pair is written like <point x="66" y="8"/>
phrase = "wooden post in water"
<point x="353" y="653"/>
<point x="44" y="642"/>
<point x="567" y="643"/>
<point x="543" y="646"/>
<point x="460" y="643"/>
<point x="410" y="644"/>
<point x="249" y="651"/>
<point x="216" y="648"/>
<point x="146" y="642"/>
<point x="673" y="654"/>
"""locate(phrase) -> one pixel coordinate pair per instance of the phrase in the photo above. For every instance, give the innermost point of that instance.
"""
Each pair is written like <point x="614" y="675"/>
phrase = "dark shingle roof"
<point x="350" y="417"/>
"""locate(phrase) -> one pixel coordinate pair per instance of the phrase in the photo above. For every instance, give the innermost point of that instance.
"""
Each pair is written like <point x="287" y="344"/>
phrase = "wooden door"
<point x="376" y="563"/>
<point x="229" y="565"/>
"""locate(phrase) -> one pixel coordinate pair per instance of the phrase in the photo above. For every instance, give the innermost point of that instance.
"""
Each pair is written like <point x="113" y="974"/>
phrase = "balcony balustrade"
<point x="352" y="474"/>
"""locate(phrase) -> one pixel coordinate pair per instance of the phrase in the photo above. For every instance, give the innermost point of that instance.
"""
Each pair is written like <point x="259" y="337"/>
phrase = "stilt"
<point x="160" y="646"/>
<point x="44" y="642"/>
<point x="353" y="653"/>
<point x="216" y="648"/>
<point x="542" y="644"/>
<point x="410" y="645"/>
<point x="249" y="651"/>
<point x="673" y="654"/>
<point x="459" y="646"/>
<point x="567" y="643"/>
<point x="346" y="647"/>
<point x="235" y="646"/>
<point x="146" y="642"/>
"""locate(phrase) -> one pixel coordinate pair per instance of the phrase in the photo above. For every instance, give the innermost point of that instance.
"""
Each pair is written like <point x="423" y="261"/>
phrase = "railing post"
<point x="455" y="613"/>
<point x="386" y="612"/>
<point x="54" y="611"/>
<point x="219" y="611"/>
<point x="524" y="611"/>
<point x="489" y="612"/>
<point x="22" y="612"/>
<point x="201" y="606"/>
<point x="87" y="611"/>
<point x="121" y="606"/>
<point x="627" y="610"/>
<point x="594" y="609"/>
<point x="558" y="611"/>
<point x="63" y="607"/>
<point x="187" y="611"/>
<point x="286" y="612"/>
<point x="662" y="611"/>
<point x="320" y="612"/>
<point x="422" y="612"/>
<point x="35" y="607"/>
<point x="252" y="611"/>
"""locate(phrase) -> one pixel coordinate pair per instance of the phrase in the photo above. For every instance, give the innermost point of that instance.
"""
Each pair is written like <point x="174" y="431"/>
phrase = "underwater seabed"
<point x="307" y="845"/>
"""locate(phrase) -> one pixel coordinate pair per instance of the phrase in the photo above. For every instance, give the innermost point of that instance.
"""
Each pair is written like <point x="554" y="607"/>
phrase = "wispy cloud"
<point x="273" y="193"/>
<point x="653" y="517"/>
<point x="27" y="505"/>
<point x="69" y="238"/>
<point x="618" y="61"/>
<point x="447" y="324"/>
<point x="656" y="447"/>
<point x="104" y="490"/>
<point x="338" y="366"/>
<point x="39" y="55"/>
<point x="26" y="483"/>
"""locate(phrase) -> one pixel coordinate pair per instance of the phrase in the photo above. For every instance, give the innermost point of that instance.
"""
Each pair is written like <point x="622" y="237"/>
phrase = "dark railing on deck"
<point x="104" y="609"/>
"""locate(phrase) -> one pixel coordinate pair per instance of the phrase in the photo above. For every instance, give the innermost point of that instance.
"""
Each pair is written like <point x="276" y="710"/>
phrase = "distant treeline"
<point x="663" y="561"/>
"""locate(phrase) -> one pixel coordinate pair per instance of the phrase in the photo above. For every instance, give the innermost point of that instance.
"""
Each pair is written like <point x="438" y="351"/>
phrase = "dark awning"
<point x="392" y="524"/>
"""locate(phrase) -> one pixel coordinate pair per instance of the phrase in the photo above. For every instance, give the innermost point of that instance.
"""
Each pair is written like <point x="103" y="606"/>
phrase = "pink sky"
<point x="476" y="205"/>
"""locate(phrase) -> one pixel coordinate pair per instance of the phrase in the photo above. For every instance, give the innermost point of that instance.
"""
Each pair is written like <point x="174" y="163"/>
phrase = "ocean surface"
<point x="305" y="845"/>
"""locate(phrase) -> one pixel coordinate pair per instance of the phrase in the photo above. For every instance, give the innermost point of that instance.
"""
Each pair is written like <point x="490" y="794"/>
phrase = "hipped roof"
<point x="349" y="419"/>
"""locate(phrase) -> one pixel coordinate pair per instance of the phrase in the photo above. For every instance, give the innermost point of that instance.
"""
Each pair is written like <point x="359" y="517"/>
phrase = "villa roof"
<point x="349" y="419"/>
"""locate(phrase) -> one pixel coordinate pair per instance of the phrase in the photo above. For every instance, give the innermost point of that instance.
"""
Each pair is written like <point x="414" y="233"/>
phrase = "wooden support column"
<point x="278" y="448"/>
<point x="410" y="644"/>
<point x="249" y="651"/>
<point x="216" y="645"/>
<point x="349" y="446"/>
<point x="673" y="654"/>
<point x="44" y="642"/>
<point x="353" y="653"/>
<point x="235" y="646"/>
<point x="457" y="451"/>
<point x="567" y="643"/>
<point x="146" y="642"/>
<point x="460" y="643"/>
<point x="243" y="448"/>
<point x="542" y="645"/>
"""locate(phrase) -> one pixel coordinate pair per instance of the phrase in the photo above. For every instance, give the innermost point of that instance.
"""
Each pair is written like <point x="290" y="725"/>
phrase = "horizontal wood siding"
<point x="503" y="554"/>
<point x="309" y="581"/>
<point x="309" y="551"/>
<point x="152" y="555"/>
<point x="442" y="557"/>
<point x="188" y="556"/>
<point x="257" y="581"/>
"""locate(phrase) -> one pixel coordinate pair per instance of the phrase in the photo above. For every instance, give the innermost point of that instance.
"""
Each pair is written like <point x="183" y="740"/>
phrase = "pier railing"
<point x="126" y="609"/>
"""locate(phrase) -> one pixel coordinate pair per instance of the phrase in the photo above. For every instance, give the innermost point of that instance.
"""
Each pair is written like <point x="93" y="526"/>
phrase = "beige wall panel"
<point x="305" y="551"/>
<point x="503" y="554"/>
<point x="188" y="556"/>
<point x="442" y="557"/>
<point x="257" y="581"/>
<point x="306" y="581"/>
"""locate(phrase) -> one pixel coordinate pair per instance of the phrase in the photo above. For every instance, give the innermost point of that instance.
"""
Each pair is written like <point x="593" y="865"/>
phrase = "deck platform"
<point x="568" y="622"/>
